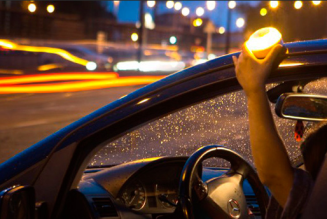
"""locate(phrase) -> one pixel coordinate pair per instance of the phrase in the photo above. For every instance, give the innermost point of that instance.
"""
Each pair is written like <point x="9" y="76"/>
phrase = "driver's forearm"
<point x="269" y="153"/>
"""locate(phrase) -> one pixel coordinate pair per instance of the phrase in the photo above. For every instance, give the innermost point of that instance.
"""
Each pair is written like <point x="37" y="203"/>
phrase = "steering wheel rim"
<point x="232" y="205"/>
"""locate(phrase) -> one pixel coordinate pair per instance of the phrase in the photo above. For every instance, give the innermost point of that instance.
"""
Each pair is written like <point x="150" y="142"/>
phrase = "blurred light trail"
<point x="11" y="72"/>
<point x="79" y="86"/>
<point x="63" y="53"/>
<point x="150" y="66"/>
<point x="57" y="77"/>
<point x="48" y="67"/>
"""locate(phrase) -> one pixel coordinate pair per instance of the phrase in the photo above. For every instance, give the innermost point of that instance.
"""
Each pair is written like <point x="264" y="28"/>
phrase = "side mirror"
<point x="17" y="202"/>
<point x="306" y="107"/>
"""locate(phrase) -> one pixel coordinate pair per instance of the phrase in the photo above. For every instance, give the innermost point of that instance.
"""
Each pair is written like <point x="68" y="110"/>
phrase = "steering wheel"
<point x="220" y="197"/>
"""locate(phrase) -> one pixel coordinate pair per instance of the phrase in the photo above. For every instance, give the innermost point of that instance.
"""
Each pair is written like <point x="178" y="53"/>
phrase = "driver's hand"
<point x="251" y="72"/>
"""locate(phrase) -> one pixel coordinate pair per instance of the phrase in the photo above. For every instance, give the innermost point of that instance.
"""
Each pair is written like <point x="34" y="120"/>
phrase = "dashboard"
<point x="141" y="189"/>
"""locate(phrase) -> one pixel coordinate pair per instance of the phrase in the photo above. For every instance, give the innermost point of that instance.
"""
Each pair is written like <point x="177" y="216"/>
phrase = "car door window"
<point x="221" y="121"/>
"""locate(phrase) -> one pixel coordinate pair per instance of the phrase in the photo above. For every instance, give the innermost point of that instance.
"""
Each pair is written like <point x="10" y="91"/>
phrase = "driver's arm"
<point x="269" y="153"/>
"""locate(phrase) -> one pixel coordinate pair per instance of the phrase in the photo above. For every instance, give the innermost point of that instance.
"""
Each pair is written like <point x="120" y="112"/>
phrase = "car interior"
<point x="167" y="167"/>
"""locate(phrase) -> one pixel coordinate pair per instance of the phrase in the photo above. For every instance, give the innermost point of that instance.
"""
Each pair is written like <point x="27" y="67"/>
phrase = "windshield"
<point x="219" y="121"/>
<point x="62" y="60"/>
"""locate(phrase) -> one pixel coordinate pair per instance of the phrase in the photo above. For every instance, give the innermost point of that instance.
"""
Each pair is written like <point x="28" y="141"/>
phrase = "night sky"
<point x="128" y="11"/>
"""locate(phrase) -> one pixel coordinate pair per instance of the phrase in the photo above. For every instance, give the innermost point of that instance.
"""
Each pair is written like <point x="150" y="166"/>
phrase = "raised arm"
<point x="269" y="153"/>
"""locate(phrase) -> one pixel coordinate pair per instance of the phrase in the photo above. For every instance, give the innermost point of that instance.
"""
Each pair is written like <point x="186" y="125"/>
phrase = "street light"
<point x="151" y="4"/>
<point x="240" y="22"/>
<point x="232" y="4"/>
<point x="169" y="4"/>
<point x="50" y="8"/>
<point x="263" y="12"/>
<point x="178" y="6"/>
<point x="116" y="3"/>
<point x="199" y="11"/>
<point x="32" y="7"/>
<point x="221" y="30"/>
<point x="211" y="5"/>
<point x="134" y="37"/>
<point x="273" y="4"/>
<point x="316" y="2"/>
<point x="298" y="4"/>
<point x="185" y="11"/>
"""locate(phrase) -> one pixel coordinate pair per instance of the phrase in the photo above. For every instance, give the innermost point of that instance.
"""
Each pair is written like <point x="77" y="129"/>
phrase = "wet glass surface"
<point x="220" y="121"/>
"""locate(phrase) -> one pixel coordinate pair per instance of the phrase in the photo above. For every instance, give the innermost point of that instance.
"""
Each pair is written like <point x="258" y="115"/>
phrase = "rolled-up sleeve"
<point x="297" y="199"/>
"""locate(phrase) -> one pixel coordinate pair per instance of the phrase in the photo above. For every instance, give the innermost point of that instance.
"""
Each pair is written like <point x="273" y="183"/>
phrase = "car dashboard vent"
<point x="252" y="203"/>
<point x="105" y="207"/>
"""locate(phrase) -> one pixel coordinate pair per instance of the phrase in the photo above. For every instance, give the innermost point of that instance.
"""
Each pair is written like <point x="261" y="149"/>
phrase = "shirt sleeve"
<point x="297" y="199"/>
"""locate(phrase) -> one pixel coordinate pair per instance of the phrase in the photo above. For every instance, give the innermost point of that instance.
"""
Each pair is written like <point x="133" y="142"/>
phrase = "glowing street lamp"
<point x="151" y="4"/>
<point x="134" y="37"/>
<point x="298" y="4"/>
<point x="263" y="12"/>
<point x="240" y="22"/>
<point x="31" y="7"/>
<point x="273" y="4"/>
<point x="221" y="30"/>
<point x="199" y="11"/>
<point x="178" y="6"/>
<point x="185" y="11"/>
<point x="211" y="5"/>
<point x="50" y="8"/>
<point x="170" y="4"/>
<point x="316" y="2"/>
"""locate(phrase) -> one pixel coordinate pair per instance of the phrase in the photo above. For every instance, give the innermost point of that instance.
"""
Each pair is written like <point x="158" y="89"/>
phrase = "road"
<point x="28" y="118"/>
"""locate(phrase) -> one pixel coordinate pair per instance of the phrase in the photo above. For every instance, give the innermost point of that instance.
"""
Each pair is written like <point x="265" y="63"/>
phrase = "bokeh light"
<point x="50" y="8"/>
<point x="232" y="4"/>
<point x="170" y="4"/>
<point x="134" y="37"/>
<point x="221" y="30"/>
<point x="273" y="4"/>
<point x="185" y="11"/>
<point x="211" y="5"/>
<point x="240" y="22"/>
<point x="32" y="7"/>
<point x="197" y="22"/>
<point x="298" y="4"/>
<point x="173" y="40"/>
<point x="263" y="12"/>
<point x="178" y="6"/>
<point x="316" y="2"/>
<point x="151" y="4"/>
<point x="199" y="12"/>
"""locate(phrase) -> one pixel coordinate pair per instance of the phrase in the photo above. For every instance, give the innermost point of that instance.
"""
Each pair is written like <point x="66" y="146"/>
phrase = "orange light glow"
<point x="56" y="77"/>
<point x="70" y="86"/>
<point x="63" y="53"/>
